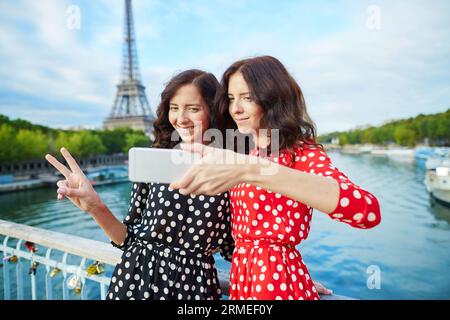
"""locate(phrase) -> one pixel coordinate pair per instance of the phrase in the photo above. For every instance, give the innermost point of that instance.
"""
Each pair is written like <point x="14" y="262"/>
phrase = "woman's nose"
<point x="235" y="107"/>
<point x="182" y="117"/>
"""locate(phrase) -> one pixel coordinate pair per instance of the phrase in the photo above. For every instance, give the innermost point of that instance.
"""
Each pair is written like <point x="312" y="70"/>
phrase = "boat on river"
<point x="437" y="180"/>
<point x="107" y="175"/>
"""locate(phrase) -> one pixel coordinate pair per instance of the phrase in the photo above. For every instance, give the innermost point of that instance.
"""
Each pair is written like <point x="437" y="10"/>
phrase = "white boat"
<point x="402" y="154"/>
<point x="397" y="154"/>
<point x="441" y="157"/>
<point x="423" y="153"/>
<point x="108" y="175"/>
<point x="379" y="152"/>
<point x="366" y="149"/>
<point x="437" y="182"/>
<point x="350" y="150"/>
<point x="434" y="162"/>
<point x="357" y="149"/>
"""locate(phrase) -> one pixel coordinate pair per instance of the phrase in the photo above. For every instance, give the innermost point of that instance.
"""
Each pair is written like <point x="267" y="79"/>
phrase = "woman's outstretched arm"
<point x="316" y="182"/>
<point x="313" y="180"/>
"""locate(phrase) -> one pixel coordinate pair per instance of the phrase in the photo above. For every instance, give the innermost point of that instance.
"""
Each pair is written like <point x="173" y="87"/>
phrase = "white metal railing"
<point x="74" y="275"/>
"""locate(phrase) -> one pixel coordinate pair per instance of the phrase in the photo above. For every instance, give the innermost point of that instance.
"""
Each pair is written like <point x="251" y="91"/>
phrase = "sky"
<point x="358" y="62"/>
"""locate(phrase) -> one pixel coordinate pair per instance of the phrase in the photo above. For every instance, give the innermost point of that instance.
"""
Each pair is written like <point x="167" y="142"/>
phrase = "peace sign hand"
<point x="77" y="187"/>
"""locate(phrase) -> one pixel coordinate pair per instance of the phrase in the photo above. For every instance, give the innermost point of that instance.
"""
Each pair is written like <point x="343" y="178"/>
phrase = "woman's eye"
<point x="248" y="99"/>
<point x="173" y="108"/>
<point x="194" y="109"/>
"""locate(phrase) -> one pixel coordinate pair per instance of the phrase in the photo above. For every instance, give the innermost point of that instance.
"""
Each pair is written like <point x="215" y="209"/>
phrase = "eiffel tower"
<point x="131" y="107"/>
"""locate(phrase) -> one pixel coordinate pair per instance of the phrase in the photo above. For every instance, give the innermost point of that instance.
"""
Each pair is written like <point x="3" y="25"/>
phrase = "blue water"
<point x="410" y="248"/>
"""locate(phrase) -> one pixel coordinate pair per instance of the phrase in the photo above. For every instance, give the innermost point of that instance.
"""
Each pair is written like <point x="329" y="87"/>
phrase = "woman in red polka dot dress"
<point x="274" y="189"/>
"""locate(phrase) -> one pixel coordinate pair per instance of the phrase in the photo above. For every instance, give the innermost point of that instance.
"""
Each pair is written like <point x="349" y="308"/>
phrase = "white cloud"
<point x="54" y="64"/>
<point x="350" y="76"/>
<point x="364" y="76"/>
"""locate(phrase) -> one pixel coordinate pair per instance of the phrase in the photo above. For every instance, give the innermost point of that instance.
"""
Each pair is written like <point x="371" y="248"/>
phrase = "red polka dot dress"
<point x="268" y="226"/>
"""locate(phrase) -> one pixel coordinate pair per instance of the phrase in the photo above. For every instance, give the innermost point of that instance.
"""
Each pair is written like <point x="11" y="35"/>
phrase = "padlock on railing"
<point x="54" y="272"/>
<point x="74" y="283"/>
<point x="33" y="267"/>
<point x="30" y="246"/>
<point x="95" y="268"/>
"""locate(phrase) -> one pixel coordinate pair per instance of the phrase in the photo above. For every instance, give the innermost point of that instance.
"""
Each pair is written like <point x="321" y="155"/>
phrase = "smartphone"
<point x="159" y="165"/>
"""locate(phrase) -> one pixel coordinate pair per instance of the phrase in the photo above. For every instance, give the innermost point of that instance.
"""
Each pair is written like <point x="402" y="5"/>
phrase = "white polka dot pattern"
<point x="168" y="250"/>
<point x="268" y="226"/>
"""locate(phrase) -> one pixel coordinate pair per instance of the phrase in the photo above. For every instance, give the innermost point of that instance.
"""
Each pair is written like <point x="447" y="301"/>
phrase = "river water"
<point x="406" y="257"/>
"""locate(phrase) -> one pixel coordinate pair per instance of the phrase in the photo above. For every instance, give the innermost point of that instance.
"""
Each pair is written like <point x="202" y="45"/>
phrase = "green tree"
<point x="354" y="136"/>
<point x="443" y="130"/>
<point x="407" y="132"/>
<point x="136" y="139"/>
<point x="343" y="140"/>
<point x="31" y="145"/>
<point x="8" y="152"/>
<point x="62" y="140"/>
<point x="4" y="119"/>
<point x="81" y="143"/>
<point x="404" y="136"/>
<point x="115" y="140"/>
<point x="369" y="135"/>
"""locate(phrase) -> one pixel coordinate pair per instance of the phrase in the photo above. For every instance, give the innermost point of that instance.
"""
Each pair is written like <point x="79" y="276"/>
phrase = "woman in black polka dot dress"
<point x="168" y="238"/>
<point x="169" y="245"/>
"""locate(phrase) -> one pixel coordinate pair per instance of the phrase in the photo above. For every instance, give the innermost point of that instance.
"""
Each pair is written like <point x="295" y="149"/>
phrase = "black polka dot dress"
<point x="168" y="249"/>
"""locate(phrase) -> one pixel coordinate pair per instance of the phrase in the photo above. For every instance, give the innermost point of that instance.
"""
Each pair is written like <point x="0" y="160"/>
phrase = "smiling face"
<point x="245" y="112"/>
<point x="188" y="113"/>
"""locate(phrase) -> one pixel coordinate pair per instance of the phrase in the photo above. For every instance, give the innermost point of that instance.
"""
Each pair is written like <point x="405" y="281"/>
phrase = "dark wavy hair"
<point x="278" y="94"/>
<point x="206" y="83"/>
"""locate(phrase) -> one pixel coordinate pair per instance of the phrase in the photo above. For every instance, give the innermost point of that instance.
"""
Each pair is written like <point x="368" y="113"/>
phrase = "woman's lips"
<point x="185" y="130"/>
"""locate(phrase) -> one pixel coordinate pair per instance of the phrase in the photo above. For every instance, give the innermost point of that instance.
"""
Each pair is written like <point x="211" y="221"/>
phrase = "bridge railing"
<point x="22" y="246"/>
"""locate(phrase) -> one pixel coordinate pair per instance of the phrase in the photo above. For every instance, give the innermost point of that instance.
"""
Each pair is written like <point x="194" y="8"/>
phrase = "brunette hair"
<point x="207" y="85"/>
<point x="278" y="94"/>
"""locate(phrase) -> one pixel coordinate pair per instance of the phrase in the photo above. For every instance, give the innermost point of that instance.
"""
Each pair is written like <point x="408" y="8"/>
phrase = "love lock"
<point x="74" y="282"/>
<point x="95" y="268"/>
<point x="33" y="267"/>
<point x="54" y="272"/>
<point x="30" y="246"/>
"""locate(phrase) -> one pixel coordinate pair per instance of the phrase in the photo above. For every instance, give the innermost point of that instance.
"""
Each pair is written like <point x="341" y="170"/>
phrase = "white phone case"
<point x="159" y="165"/>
